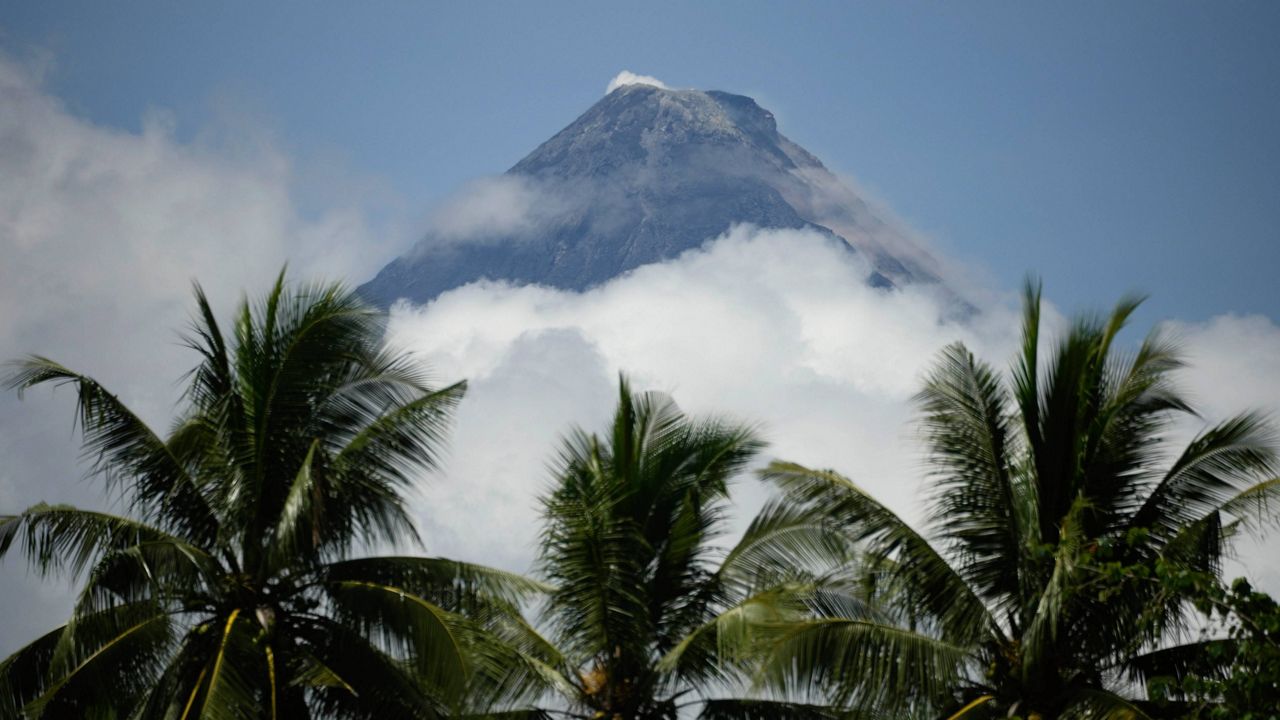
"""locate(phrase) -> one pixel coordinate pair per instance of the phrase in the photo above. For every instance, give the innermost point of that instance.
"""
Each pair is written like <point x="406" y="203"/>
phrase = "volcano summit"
<point x="643" y="175"/>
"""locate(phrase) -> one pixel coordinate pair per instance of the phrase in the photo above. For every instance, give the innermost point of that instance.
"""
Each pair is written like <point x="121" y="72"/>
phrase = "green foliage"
<point x="228" y="588"/>
<point x="1234" y="674"/>
<point x="1060" y="571"/>
<point x="647" y="616"/>
<point x="1052" y="520"/>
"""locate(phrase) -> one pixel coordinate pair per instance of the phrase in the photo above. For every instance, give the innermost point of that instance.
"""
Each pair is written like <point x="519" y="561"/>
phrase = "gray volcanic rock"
<point x="645" y="174"/>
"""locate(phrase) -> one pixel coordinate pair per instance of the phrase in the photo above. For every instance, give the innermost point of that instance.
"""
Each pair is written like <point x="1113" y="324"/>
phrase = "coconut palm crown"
<point x="1056" y="508"/>
<point x="232" y="585"/>
<point x="648" y="616"/>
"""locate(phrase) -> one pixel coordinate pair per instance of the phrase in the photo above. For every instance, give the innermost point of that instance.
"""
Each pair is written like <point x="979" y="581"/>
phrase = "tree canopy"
<point x="1065" y="568"/>
<point x="1052" y="506"/>
<point x="234" y="584"/>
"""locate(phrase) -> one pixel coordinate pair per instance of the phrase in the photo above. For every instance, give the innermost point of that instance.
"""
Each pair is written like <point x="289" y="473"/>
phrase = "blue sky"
<point x="1106" y="146"/>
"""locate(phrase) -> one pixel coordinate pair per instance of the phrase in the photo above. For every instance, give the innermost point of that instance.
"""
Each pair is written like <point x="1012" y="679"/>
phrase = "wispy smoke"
<point x="503" y="208"/>
<point x="626" y="77"/>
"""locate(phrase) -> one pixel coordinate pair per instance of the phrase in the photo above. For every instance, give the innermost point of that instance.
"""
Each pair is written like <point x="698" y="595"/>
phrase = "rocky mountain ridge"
<point x="643" y="175"/>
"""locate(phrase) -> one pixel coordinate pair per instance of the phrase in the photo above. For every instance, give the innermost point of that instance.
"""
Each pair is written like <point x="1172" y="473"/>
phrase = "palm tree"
<point x="233" y="586"/>
<point x="648" y="617"/>
<point x="1055" y="515"/>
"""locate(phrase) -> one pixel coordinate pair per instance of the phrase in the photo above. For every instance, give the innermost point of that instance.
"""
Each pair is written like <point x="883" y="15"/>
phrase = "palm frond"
<point x="1026" y="368"/>
<point x="126" y="452"/>
<point x="211" y="383"/>
<point x="451" y="584"/>
<point x="1216" y="466"/>
<point x="514" y="666"/>
<point x="229" y="692"/>
<point x="784" y="540"/>
<point x="427" y="635"/>
<point x="863" y="663"/>
<point x="978" y="503"/>
<point x="170" y="572"/>
<point x="351" y="677"/>
<point x="171" y="694"/>
<point x="1137" y="401"/>
<point x="103" y="660"/>
<point x="717" y="651"/>
<point x="1102" y="705"/>
<point x="1257" y="507"/>
<point x="930" y="585"/>
<point x="405" y="439"/>
<point x="628" y="547"/>
<point x="24" y="674"/>
<point x="757" y="709"/>
<point x="1046" y="619"/>
<point x="61" y="538"/>
<point x="299" y="527"/>
<point x="1179" y="661"/>
<point x="976" y="707"/>
<point x="521" y="714"/>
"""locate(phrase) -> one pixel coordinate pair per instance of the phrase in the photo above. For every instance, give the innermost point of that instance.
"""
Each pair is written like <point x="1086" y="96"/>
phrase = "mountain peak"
<point x="660" y="126"/>
<point x="644" y="174"/>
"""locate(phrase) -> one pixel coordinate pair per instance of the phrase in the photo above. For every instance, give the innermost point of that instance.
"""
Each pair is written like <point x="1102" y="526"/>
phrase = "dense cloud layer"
<point x="101" y="232"/>
<point x="774" y="327"/>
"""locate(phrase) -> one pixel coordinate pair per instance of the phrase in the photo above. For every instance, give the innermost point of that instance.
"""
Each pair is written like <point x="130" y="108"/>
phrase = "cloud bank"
<point x="768" y="326"/>
<point x="775" y="327"/>
<point x="626" y="77"/>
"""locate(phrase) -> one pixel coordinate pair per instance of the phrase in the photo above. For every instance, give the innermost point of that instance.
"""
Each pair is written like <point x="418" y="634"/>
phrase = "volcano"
<point x="643" y="175"/>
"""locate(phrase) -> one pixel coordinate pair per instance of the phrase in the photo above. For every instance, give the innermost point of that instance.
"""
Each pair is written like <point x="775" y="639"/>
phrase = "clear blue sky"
<point x="1105" y="146"/>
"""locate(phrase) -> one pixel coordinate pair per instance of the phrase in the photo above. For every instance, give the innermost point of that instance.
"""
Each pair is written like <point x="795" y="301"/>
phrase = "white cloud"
<point x="626" y="77"/>
<point x="1234" y="366"/>
<point x="1235" y="363"/>
<point x="101" y="234"/>
<point x="777" y="327"/>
